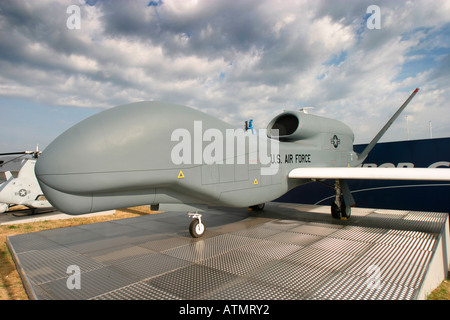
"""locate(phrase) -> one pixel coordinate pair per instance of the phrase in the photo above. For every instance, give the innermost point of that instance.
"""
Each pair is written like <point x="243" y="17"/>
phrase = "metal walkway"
<point x="287" y="251"/>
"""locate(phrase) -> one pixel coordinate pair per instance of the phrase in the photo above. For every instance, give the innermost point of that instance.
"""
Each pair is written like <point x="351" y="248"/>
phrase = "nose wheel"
<point x="197" y="227"/>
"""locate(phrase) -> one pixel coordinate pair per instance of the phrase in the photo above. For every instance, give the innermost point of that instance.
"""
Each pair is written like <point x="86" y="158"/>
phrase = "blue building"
<point x="407" y="195"/>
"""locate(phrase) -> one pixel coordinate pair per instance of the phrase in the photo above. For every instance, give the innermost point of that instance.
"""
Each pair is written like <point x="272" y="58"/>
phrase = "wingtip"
<point x="417" y="90"/>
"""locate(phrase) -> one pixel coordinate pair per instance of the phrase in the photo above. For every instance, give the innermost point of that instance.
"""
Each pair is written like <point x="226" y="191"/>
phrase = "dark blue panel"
<point x="408" y="195"/>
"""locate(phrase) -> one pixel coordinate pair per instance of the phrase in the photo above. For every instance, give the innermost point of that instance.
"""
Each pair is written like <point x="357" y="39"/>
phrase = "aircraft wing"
<point x="348" y="173"/>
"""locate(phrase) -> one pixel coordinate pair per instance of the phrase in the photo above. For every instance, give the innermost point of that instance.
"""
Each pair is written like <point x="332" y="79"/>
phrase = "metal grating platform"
<point x="287" y="251"/>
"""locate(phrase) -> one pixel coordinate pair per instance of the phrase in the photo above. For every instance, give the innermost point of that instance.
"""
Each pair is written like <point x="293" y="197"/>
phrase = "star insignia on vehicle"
<point x="335" y="141"/>
<point x="22" y="192"/>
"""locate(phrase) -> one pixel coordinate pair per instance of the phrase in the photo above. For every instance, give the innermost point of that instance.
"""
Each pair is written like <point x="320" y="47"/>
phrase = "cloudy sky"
<point x="235" y="60"/>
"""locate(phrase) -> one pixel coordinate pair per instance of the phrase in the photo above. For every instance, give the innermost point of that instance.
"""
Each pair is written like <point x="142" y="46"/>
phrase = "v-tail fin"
<point x="363" y="155"/>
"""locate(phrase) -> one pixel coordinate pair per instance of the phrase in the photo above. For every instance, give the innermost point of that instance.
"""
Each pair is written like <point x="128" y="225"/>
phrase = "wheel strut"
<point x="339" y="207"/>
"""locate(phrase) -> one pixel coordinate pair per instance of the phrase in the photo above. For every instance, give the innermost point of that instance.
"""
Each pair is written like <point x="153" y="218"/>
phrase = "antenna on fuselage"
<point x="305" y="109"/>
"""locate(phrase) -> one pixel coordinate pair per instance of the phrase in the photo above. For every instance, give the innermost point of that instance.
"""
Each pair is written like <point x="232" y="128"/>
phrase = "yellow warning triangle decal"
<point x="255" y="182"/>
<point x="180" y="175"/>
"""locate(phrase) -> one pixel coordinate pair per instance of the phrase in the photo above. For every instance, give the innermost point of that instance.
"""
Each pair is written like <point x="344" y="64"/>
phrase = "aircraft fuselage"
<point x="158" y="153"/>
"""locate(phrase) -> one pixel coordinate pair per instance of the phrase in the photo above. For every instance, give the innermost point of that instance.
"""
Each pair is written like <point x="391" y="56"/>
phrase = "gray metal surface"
<point x="287" y="251"/>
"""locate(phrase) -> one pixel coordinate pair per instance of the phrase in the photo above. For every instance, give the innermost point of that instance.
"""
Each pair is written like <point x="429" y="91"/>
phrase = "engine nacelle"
<point x="296" y="126"/>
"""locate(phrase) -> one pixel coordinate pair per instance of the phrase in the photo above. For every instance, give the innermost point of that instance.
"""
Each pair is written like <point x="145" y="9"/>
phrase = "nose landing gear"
<point x="197" y="227"/>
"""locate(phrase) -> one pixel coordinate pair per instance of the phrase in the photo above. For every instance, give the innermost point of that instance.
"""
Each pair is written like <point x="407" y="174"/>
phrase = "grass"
<point x="442" y="292"/>
<point x="11" y="287"/>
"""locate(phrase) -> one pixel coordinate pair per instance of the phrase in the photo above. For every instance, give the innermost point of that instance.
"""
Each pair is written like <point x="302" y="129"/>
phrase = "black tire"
<point x="343" y="213"/>
<point x="196" y="230"/>
<point x="335" y="212"/>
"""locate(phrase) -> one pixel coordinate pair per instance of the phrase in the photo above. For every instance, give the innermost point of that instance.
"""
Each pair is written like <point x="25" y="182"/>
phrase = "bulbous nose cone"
<point x="112" y="152"/>
<point x="98" y="154"/>
<point x="111" y="140"/>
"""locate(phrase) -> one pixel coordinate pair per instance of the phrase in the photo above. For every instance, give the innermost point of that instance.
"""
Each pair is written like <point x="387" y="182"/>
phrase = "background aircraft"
<point x="177" y="158"/>
<point x="23" y="190"/>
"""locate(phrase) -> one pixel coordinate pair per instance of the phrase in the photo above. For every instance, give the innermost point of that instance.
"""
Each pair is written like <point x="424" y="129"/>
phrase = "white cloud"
<point x="235" y="60"/>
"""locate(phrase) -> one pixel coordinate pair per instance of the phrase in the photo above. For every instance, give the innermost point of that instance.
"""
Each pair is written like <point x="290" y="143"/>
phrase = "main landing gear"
<point x="197" y="227"/>
<point x="341" y="206"/>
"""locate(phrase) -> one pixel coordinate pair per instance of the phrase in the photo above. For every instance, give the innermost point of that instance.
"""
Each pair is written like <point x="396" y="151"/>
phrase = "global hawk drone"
<point x="177" y="158"/>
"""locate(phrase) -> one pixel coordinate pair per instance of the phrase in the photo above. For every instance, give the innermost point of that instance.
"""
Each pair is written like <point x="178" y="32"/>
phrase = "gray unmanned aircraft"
<point x="177" y="158"/>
